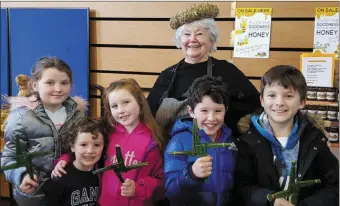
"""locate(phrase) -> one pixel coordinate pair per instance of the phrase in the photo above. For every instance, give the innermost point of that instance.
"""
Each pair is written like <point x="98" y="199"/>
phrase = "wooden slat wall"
<point x="121" y="46"/>
<point x="149" y="60"/>
<point x="145" y="32"/>
<point x="284" y="33"/>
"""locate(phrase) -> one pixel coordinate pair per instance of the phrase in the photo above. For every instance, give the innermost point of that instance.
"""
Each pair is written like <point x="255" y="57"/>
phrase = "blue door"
<point x="63" y="33"/>
<point x="4" y="53"/>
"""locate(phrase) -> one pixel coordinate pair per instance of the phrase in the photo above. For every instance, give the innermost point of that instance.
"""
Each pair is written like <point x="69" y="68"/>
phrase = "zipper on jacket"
<point x="56" y="133"/>
<point x="45" y="118"/>
<point x="302" y="171"/>
<point x="60" y="129"/>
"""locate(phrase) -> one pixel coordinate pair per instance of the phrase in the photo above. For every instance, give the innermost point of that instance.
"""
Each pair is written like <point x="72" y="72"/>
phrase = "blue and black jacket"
<point x="181" y="186"/>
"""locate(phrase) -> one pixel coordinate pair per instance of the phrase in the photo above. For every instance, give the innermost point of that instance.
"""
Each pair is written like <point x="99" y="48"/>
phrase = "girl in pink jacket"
<point x="136" y="131"/>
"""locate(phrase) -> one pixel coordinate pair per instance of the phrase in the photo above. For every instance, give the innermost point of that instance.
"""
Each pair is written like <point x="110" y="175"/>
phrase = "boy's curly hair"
<point x="86" y="125"/>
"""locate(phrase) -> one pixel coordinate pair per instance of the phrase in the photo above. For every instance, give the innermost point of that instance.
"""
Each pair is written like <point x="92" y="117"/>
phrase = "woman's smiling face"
<point x="195" y="43"/>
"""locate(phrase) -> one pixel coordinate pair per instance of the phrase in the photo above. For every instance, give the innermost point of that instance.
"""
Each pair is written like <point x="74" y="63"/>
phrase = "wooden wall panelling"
<point x="292" y="34"/>
<point x="288" y="9"/>
<point x="122" y="59"/>
<point x="256" y="83"/>
<point x="104" y="79"/>
<point x="95" y="107"/>
<point x="149" y="60"/>
<point x="124" y="9"/>
<point x="145" y="32"/>
<point x="257" y="67"/>
<point x="284" y="34"/>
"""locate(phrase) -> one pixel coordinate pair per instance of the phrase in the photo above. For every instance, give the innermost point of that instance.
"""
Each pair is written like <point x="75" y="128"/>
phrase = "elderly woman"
<point x="196" y="34"/>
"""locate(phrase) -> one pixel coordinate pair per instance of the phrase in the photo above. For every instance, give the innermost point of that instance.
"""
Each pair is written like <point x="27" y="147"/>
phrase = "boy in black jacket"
<point x="79" y="187"/>
<point x="278" y="136"/>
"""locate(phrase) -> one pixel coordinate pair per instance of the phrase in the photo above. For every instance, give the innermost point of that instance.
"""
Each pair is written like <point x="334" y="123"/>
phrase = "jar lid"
<point x="322" y="89"/>
<point x="311" y="88"/>
<point x="313" y="107"/>
<point x="331" y="89"/>
<point x="332" y="108"/>
<point x="334" y="129"/>
<point x="321" y="107"/>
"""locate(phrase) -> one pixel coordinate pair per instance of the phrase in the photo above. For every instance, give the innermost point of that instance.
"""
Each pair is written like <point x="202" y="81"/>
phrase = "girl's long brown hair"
<point x="145" y="113"/>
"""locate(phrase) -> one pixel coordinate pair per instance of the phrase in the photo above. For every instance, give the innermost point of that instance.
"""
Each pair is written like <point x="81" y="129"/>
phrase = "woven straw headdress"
<point x="194" y="13"/>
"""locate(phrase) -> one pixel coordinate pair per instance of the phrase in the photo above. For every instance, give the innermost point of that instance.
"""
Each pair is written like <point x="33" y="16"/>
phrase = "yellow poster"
<point x="252" y="32"/>
<point x="326" y="30"/>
